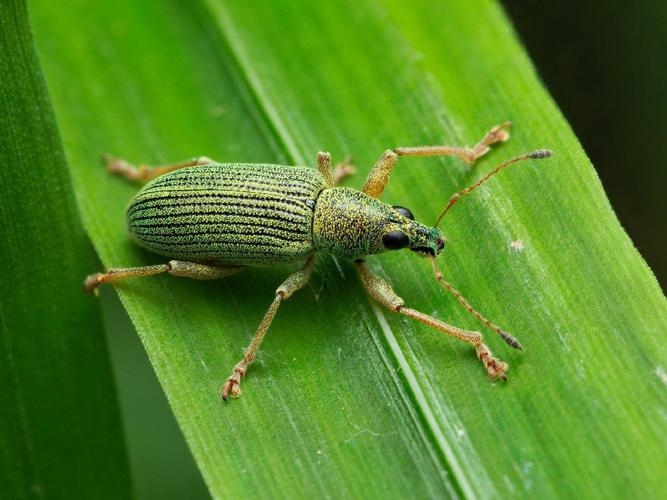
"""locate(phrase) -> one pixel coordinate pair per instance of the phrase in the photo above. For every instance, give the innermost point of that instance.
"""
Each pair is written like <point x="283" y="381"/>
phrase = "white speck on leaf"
<point x="526" y="470"/>
<point x="517" y="245"/>
<point x="661" y="374"/>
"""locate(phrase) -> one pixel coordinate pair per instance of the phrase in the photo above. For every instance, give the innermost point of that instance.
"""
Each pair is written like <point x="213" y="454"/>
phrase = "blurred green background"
<point x="604" y="66"/>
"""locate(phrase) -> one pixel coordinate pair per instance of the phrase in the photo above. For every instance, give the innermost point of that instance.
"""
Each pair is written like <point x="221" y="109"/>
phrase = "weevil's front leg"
<point x="383" y="293"/>
<point x="118" y="166"/>
<point x="333" y="176"/>
<point x="174" y="267"/>
<point x="293" y="282"/>
<point x="379" y="175"/>
<point x="498" y="133"/>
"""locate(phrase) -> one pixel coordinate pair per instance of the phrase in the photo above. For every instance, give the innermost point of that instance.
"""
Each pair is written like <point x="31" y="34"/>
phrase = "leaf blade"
<point x="435" y="407"/>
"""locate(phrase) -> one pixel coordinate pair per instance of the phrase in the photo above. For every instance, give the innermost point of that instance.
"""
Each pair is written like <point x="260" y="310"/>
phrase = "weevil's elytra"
<point x="214" y="219"/>
<point x="228" y="214"/>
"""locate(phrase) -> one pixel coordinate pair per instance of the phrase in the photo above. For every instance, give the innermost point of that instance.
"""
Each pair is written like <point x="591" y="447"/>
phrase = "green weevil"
<point x="215" y="219"/>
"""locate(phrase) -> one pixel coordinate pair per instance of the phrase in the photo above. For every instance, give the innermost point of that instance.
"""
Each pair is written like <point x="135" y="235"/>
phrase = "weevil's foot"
<point x="497" y="134"/>
<point x="344" y="169"/>
<point x="231" y="388"/>
<point x="113" y="165"/>
<point x="120" y="167"/>
<point x="92" y="283"/>
<point x="233" y="385"/>
<point x="495" y="368"/>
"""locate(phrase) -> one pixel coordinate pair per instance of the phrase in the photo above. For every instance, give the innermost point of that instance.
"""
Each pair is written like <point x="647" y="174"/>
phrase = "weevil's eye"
<point x="405" y="212"/>
<point x="393" y="240"/>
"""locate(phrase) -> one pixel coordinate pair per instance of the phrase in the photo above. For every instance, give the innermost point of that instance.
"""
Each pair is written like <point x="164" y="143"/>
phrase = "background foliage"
<point x="59" y="425"/>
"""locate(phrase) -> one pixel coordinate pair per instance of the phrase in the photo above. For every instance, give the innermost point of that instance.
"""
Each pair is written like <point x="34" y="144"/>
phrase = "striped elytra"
<point x="234" y="214"/>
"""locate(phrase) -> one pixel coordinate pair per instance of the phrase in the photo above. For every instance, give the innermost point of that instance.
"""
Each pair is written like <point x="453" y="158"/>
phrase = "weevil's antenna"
<point x="535" y="155"/>
<point x="447" y="285"/>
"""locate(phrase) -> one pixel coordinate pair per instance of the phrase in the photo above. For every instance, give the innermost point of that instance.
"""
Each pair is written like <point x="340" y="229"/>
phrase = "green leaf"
<point x="347" y="399"/>
<point x="59" y="419"/>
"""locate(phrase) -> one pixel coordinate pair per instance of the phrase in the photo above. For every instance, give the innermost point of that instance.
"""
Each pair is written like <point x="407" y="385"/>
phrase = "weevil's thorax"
<point x="351" y="224"/>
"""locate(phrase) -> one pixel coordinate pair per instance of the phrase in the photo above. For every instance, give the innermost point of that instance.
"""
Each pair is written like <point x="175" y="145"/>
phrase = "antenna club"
<point x="511" y="341"/>
<point x="540" y="153"/>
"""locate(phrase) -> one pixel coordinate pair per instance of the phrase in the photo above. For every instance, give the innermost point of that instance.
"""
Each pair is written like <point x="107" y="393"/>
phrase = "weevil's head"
<point x="350" y="224"/>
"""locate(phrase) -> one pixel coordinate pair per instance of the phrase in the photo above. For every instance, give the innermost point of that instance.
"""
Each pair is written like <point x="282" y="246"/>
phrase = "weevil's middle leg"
<point x="118" y="166"/>
<point x="343" y="169"/>
<point x="383" y="293"/>
<point x="379" y="175"/>
<point x="333" y="176"/>
<point x="324" y="167"/>
<point x="174" y="267"/>
<point x="293" y="283"/>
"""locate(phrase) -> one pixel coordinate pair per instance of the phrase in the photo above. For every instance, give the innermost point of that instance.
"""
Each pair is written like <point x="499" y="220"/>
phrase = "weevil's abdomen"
<point x="241" y="214"/>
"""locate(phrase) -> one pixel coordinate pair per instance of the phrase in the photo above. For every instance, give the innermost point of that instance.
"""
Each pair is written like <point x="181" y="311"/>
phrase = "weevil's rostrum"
<point x="235" y="214"/>
<point x="214" y="219"/>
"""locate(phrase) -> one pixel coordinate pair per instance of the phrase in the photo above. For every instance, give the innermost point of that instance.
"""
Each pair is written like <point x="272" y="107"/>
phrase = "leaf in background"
<point x="345" y="399"/>
<point x="59" y="421"/>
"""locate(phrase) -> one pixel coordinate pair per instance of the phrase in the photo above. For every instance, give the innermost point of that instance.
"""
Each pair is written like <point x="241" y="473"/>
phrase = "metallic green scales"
<point x="234" y="214"/>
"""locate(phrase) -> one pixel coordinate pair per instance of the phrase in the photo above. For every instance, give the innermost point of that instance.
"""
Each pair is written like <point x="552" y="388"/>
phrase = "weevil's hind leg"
<point x="294" y="282"/>
<point x="118" y="166"/>
<point x="333" y="176"/>
<point x="383" y="293"/>
<point x="174" y="267"/>
<point x="379" y="175"/>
